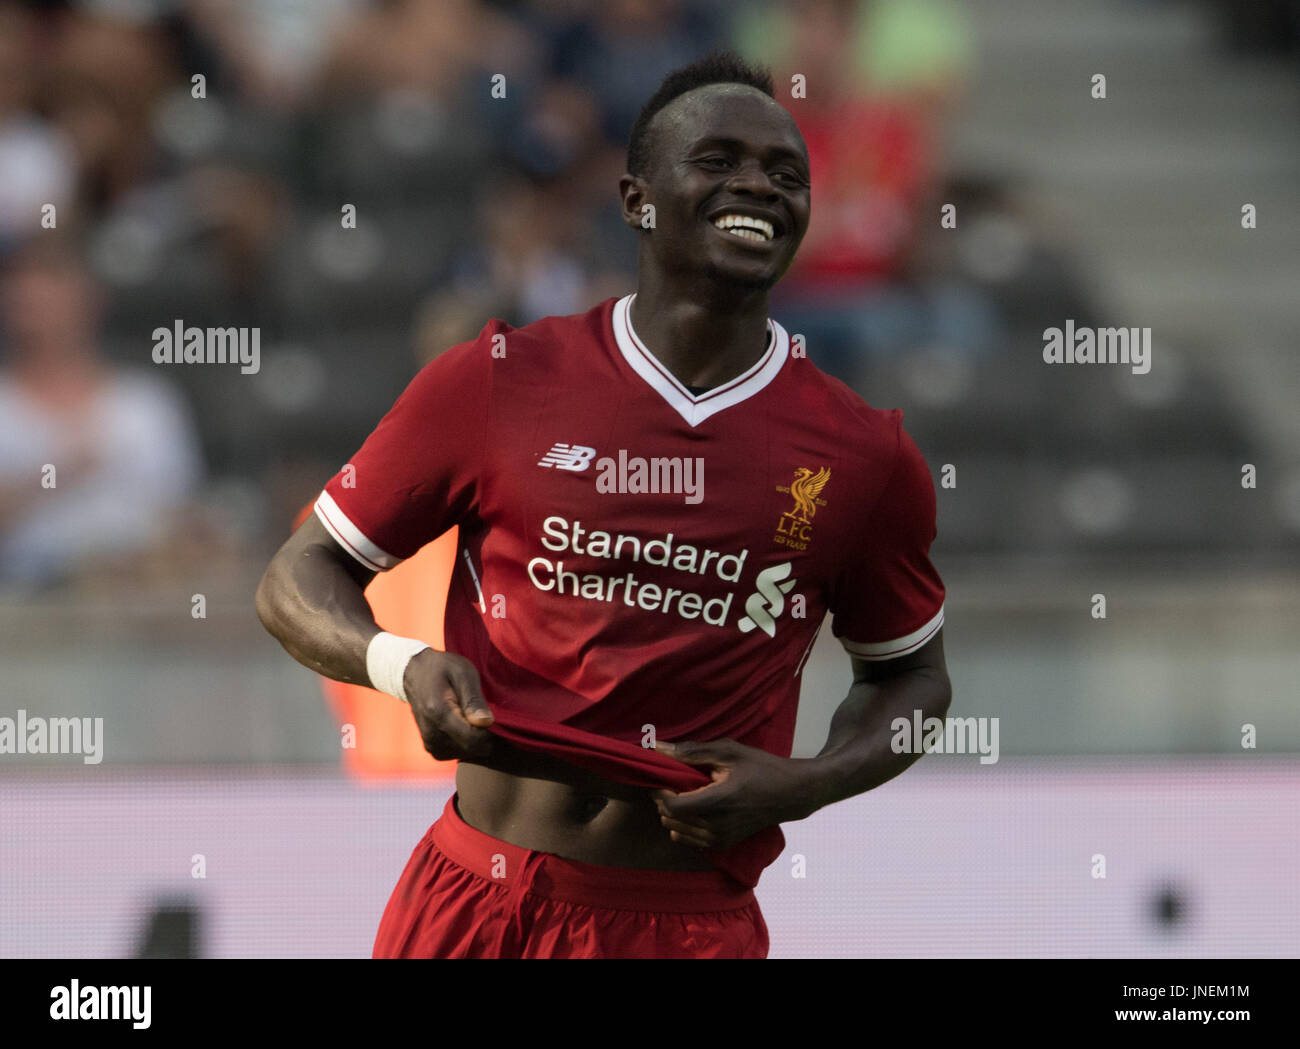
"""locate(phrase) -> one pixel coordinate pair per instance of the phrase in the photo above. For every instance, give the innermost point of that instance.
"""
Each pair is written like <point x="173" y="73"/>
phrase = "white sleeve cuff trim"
<point x="350" y="537"/>
<point x="903" y="646"/>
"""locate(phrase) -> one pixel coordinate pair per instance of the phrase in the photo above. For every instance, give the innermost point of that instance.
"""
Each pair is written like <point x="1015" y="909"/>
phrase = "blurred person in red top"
<point x="869" y="84"/>
<point x="870" y="155"/>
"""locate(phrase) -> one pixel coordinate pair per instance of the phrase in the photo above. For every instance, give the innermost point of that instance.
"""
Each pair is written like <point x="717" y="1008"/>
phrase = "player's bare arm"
<point x="753" y="789"/>
<point x="859" y="755"/>
<point x="312" y="600"/>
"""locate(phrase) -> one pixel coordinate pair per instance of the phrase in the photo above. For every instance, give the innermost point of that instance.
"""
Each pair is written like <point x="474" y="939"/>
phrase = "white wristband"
<point x="386" y="659"/>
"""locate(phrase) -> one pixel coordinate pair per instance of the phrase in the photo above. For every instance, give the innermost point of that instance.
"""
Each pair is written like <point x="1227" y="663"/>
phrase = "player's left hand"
<point x="751" y="789"/>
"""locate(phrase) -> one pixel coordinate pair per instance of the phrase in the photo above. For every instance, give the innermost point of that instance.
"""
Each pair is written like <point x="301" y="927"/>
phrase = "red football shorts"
<point x="465" y="894"/>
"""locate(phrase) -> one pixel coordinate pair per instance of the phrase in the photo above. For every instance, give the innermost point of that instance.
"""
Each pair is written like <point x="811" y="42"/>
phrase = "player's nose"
<point x="752" y="179"/>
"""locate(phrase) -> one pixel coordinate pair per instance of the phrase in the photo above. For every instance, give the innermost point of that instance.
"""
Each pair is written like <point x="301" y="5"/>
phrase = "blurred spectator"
<point x="618" y="51"/>
<point x="872" y="153"/>
<point x="104" y="76"/>
<point x="527" y="251"/>
<point x="269" y="50"/>
<point x="870" y="119"/>
<point x="37" y="163"/>
<point x="120" y="442"/>
<point x="415" y="47"/>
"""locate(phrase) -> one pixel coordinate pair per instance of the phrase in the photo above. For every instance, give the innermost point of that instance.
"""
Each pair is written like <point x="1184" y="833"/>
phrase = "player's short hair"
<point x="717" y="67"/>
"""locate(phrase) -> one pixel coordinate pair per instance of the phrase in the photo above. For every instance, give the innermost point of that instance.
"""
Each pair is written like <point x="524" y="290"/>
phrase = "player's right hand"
<point x="447" y="701"/>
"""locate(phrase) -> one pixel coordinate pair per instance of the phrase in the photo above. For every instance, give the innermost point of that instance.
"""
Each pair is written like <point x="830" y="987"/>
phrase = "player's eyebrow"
<point x="735" y="143"/>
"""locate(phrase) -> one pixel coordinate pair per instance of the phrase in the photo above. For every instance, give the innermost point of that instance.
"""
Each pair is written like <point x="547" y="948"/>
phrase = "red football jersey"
<point x="639" y="562"/>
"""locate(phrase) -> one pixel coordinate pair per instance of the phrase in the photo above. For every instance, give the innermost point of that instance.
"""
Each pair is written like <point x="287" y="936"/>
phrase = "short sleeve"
<point x="417" y="474"/>
<point x="888" y="601"/>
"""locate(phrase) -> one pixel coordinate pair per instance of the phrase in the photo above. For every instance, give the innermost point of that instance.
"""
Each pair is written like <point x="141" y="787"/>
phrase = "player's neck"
<point x="703" y="344"/>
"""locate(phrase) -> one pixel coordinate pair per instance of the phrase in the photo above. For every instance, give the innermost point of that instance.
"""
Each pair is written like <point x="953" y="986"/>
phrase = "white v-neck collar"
<point x="690" y="407"/>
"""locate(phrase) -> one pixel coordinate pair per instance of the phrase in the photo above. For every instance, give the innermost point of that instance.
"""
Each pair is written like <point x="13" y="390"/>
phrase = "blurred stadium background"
<point x="1120" y="737"/>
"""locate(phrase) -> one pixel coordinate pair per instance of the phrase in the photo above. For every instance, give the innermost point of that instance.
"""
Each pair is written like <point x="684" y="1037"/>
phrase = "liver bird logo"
<point x="805" y="488"/>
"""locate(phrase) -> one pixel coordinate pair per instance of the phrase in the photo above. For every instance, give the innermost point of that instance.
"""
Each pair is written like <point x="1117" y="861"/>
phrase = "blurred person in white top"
<point x="124" y="452"/>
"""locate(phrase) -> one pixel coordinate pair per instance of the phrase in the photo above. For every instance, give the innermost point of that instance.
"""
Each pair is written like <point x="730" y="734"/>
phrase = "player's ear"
<point x="635" y="192"/>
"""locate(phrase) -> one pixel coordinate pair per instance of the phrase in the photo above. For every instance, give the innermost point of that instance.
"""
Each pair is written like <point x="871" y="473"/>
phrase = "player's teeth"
<point x="742" y="226"/>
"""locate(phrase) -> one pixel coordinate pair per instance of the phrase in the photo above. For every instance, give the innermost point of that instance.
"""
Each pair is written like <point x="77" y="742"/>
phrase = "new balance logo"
<point x="574" y="457"/>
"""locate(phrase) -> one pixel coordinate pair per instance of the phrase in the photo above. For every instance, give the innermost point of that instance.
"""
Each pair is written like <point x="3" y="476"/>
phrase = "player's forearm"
<point x="859" y="753"/>
<point x="319" y="613"/>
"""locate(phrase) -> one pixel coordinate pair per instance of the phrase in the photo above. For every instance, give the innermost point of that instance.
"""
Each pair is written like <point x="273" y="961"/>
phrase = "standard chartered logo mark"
<point x="763" y="607"/>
